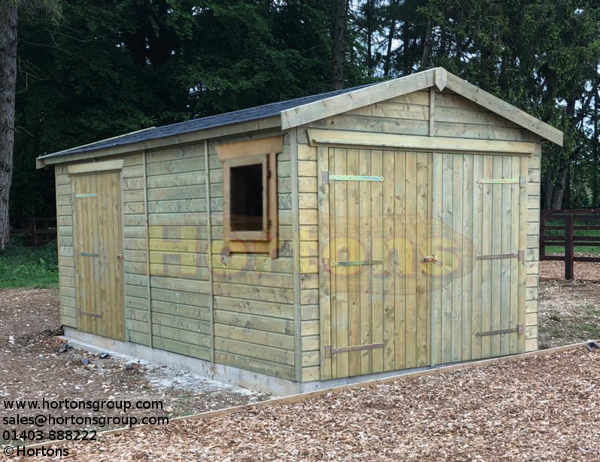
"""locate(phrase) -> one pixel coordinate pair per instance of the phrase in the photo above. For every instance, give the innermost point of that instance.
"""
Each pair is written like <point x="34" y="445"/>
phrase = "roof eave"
<point x="223" y="131"/>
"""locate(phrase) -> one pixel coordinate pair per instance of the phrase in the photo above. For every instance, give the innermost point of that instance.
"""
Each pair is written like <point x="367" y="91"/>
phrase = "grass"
<point x="554" y="249"/>
<point x="35" y="267"/>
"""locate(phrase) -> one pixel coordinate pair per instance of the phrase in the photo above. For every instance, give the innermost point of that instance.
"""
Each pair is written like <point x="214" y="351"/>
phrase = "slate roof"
<point x="194" y="125"/>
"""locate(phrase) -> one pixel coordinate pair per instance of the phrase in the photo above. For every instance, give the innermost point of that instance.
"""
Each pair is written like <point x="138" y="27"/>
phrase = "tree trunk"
<point x="339" y="43"/>
<point x="8" y="78"/>
<point x="559" y="187"/>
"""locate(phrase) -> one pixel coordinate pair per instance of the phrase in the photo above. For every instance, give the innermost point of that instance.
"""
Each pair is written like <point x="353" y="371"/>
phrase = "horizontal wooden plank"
<point x="254" y="336"/>
<point x="349" y="138"/>
<point x="254" y="322"/>
<point x="277" y="310"/>
<point x="262" y="352"/>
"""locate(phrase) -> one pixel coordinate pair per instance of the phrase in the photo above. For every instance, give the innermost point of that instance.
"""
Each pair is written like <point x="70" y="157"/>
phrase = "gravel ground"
<point x="33" y="368"/>
<point x="569" y="311"/>
<point x="541" y="408"/>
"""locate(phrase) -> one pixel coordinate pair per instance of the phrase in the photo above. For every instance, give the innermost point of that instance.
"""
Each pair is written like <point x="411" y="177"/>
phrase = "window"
<point x="250" y="196"/>
<point x="245" y="190"/>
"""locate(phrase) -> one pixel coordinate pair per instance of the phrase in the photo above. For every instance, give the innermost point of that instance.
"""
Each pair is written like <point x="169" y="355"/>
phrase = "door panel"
<point x="480" y="226"/>
<point x="377" y="234"/>
<point x="98" y="249"/>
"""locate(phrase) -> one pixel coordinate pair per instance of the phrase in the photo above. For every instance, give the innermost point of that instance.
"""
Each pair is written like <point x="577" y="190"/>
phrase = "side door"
<point x="98" y="254"/>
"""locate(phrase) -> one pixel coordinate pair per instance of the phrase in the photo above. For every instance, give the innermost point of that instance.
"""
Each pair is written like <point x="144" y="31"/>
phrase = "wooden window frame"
<point x="263" y="235"/>
<point x="262" y="151"/>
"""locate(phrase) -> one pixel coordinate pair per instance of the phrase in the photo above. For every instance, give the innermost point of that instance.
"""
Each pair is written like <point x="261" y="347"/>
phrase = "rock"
<point x="63" y="347"/>
<point x="128" y="367"/>
<point x="103" y="355"/>
<point x="85" y="361"/>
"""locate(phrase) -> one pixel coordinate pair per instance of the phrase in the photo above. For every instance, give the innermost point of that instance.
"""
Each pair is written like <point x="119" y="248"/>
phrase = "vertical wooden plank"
<point x="90" y="263"/>
<point x="421" y="243"/>
<point x="457" y="290"/>
<point x="496" y="249"/>
<point x="478" y="232"/>
<point x="515" y="241"/>
<point x="324" y="252"/>
<point x="446" y="291"/>
<point x="295" y="251"/>
<point x="103" y="235"/>
<point x="147" y="234"/>
<point x="377" y="275"/>
<point x="523" y="247"/>
<point x="76" y="244"/>
<point x="389" y="261"/>
<point x="432" y="111"/>
<point x="117" y="266"/>
<point x="366" y="272"/>
<point x="506" y="262"/>
<point x="429" y="251"/>
<point x="408" y="270"/>
<point x="400" y="252"/>
<point x="486" y="265"/>
<point x="341" y="250"/>
<point x="354" y="254"/>
<point x="436" y="272"/>
<point x="467" y="256"/>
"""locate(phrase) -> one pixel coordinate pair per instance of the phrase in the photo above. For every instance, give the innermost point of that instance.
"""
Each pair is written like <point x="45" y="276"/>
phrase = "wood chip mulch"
<point x="538" y="408"/>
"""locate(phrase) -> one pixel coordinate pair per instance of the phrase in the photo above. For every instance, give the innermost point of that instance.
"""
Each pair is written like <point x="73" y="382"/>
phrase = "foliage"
<point x="22" y="266"/>
<point x="108" y="67"/>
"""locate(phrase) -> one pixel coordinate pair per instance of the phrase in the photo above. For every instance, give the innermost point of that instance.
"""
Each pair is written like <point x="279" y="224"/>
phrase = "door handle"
<point x="121" y="257"/>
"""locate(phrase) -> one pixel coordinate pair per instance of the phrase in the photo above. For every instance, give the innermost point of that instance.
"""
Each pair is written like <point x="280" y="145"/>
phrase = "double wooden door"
<point x="98" y="254"/>
<point x="420" y="258"/>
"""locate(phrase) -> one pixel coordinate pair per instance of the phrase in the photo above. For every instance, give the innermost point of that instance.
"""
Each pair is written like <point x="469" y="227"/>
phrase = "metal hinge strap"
<point x="497" y="257"/>
<point x="355" y="178"/>
<point x="498" y="181"/>
<point x="357" y="263"/>
<point x="329" y="351"/>
<point x="79" y="196"/>
<point x="520" y="329"/>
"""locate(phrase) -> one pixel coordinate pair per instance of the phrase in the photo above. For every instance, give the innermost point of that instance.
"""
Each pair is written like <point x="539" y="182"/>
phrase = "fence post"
<point x="33" y="232"/>
<point x="542" y="233"/>
<point x="569" y="247"/>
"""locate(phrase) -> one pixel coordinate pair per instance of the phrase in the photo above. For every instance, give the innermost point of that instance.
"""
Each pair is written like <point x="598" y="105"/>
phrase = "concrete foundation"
<point x="226" y="374"/>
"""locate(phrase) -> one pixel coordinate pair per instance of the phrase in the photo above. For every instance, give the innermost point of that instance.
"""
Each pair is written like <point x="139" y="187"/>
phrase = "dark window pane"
<point x="247" y="198"/>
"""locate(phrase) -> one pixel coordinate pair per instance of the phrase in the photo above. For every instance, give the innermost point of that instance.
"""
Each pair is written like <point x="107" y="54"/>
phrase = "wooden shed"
<point x="311" y="242"/>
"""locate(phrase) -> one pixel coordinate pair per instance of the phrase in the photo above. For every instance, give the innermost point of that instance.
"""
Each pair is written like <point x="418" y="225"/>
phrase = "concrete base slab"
<point x="222" y="373"/>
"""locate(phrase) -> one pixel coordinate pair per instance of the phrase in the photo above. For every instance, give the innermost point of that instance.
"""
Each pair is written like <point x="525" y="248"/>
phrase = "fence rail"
<point x="573" y="221"/>
<point x="40" y="230"/>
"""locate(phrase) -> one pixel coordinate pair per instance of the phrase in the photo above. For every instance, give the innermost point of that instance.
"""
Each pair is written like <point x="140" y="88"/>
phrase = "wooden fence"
<point x="567" y="235"/>
<point x="40" y="230"/>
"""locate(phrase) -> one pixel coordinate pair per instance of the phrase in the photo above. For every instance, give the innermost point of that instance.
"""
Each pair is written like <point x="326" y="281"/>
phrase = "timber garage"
<point x="311" y="242"/>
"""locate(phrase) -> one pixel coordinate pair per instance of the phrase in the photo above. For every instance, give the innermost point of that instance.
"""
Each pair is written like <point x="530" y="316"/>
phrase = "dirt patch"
<point x="569" y="311"/>
<point x="540" y="408"/>
<point x="33" y="368"/>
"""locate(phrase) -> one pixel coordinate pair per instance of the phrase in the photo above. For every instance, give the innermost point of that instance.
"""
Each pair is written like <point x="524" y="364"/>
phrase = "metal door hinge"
<point x="330" y="351"/>
<point x="521" y="255"/>
<point x="520" y="329"/>
<point x="523" y="182"/>
<point x="325" y="176"/>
